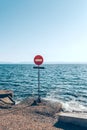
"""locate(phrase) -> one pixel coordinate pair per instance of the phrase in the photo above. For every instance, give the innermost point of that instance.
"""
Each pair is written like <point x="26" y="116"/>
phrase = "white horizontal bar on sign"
<point x="38" y="60"/>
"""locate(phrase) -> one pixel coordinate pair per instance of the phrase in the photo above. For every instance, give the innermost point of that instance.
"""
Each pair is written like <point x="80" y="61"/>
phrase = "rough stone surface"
<point x="31" y="115"/>
<point x="6" y="98"/>
<point x="28" y="116"/>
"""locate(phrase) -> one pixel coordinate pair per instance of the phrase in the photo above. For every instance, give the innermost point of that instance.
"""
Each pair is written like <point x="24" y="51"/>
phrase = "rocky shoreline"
<point x="29" y="115"/>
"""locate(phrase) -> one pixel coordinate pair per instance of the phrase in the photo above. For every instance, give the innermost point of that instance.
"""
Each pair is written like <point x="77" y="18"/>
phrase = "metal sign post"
<point x="38" y="60"/>
<point x="39" y="100"/>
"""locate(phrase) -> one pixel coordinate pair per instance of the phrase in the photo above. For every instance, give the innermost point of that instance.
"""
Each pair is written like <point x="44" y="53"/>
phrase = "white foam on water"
<point x="51" y="99"/>
<point x="17" y="102"/>
<point x="73" y="106"/>
<point x="69" y="106"/>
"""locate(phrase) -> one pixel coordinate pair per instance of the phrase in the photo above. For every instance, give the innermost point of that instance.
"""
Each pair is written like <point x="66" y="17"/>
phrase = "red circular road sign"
<point x="38" y="59"/>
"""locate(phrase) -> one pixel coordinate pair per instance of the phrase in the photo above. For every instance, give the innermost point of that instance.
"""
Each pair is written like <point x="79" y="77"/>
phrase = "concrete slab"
<point x="74" y="118"/>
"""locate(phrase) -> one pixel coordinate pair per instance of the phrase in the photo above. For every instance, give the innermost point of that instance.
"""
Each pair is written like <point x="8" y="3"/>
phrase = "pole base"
<point x="39" y="100"/>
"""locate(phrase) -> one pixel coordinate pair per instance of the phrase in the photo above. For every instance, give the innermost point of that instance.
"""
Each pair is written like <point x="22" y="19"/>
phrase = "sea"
<point x="64" y="83"/>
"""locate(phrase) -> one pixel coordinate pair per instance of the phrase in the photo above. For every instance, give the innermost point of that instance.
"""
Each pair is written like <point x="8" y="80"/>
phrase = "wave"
<point x="70" y="106"/>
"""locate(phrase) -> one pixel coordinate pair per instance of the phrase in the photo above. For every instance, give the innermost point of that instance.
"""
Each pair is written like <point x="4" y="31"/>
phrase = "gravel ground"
<point x="28" y="116"/>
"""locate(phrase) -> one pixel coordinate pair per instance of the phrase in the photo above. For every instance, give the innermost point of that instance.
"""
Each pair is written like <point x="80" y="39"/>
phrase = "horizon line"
<point x="49" y="62"/>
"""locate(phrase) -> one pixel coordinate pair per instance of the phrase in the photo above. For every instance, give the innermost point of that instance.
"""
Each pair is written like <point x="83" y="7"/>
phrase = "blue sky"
<point x="56" y="29"/>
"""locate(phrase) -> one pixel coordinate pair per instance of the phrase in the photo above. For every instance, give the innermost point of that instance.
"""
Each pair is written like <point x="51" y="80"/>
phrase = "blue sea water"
<point x="65" y="83"/>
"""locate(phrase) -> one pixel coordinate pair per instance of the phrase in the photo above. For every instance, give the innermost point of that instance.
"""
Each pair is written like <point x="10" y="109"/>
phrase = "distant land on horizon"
<point x="3" y="62"/>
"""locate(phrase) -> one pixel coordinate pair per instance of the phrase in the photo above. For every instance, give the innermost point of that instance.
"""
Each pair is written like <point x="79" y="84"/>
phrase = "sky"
<point x="55" y="29"/>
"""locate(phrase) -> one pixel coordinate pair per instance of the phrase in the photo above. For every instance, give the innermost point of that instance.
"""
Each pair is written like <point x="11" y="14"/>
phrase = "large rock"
<point x="6" y="98"/>
<point x="5" y="93"/>
<point x="46" y="107"/>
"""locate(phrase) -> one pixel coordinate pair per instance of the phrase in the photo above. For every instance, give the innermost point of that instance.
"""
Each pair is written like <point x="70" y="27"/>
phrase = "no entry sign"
<point x="38" y="59"/>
